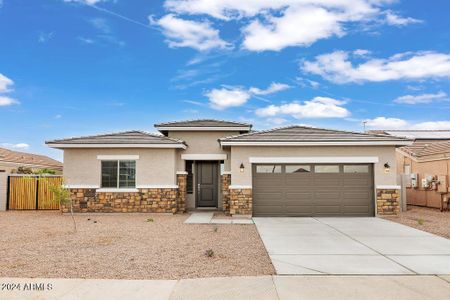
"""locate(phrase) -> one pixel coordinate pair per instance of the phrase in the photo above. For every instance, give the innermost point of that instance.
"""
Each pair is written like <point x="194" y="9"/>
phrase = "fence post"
<point x="3" y="190"/>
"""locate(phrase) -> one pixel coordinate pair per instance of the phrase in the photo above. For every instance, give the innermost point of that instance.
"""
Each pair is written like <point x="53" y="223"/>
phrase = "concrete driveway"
<point x="351" y="246"/>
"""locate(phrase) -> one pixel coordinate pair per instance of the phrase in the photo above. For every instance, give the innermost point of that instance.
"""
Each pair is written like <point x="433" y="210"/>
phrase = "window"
<point x="118" y="174"/>
<point x="356" y="169"/>
<point x="298" y="168"/>
<point x="268" y="169"/>
<point x="326" y="169"/>
<point x="189" y="177"/>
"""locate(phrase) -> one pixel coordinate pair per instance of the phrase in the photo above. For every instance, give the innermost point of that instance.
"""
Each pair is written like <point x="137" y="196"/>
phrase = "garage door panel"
<point x="314" y="194"/>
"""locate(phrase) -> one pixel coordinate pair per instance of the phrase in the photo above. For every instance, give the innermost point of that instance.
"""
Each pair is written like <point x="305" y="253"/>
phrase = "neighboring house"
<point x="11" y="161"/>
<point x="427" y="165"/>
<point x="291" y="171"/>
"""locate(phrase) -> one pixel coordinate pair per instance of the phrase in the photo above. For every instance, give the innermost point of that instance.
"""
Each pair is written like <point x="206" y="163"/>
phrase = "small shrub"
<point x="420" y="221"/>
<point x="209" y="253"/>
<point x="150" y="220"/>
<point x="216" y="229"/>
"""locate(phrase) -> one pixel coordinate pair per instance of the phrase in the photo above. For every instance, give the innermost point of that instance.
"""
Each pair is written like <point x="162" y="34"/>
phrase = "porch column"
<point x="182" y="191"/>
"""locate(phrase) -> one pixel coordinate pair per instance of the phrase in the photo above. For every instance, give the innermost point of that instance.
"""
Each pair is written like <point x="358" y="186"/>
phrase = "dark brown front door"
<point x="207" y="184"/>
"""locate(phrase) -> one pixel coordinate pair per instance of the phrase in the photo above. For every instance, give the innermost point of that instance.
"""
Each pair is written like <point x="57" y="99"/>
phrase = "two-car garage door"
<point x="313" y="190"/>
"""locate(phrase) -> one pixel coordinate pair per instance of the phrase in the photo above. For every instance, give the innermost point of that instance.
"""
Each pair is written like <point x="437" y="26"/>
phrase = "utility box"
<point x="442" y="185"/>
<point x="414" y="180"/>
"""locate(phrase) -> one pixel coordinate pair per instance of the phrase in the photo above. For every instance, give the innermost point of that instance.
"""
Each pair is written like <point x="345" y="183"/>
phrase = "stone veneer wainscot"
<point x="241" y="201"/>
<point x="226" y="181"/>
<point x="388" y="201"/>
<point x="158" y="200"/>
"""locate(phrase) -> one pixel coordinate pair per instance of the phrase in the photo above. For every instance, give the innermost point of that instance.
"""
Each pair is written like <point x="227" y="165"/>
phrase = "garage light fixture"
<point x="241" y="167"/>
<point x="387" y="168"/>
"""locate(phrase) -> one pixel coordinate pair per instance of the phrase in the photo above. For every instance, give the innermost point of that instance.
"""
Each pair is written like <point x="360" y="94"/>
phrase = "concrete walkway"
<point x="208" y="218"/>
<point x="234" y="288"/>
<point x="351" y="246"/>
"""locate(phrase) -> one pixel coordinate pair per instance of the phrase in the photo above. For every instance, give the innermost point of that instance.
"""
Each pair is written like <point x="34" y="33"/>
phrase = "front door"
<point x="207" y="184"/>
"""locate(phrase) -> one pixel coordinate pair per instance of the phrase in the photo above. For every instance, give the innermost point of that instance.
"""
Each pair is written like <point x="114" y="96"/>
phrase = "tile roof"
<point x="203" y="123"/>
<point x="308" y="134"/>
<point x="126" y="137"/>
<point x="11" y="156"/>
<point x="417" y="134"/>
<point x="421" y="149"/>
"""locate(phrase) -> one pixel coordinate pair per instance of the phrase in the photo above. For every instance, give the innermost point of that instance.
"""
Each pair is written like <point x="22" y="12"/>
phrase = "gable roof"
<point x="128" y="139"/>
<point x="423" y="149"/>
<point x="203" y="124"/>
<point x="417" y="134"/>
<point x="303" y="135"/>
<point x="16" y="157"/>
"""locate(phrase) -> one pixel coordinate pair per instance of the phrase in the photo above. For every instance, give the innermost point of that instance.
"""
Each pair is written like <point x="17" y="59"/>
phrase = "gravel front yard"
<point x="126" y="246"/>
<point x="426" y="219"/>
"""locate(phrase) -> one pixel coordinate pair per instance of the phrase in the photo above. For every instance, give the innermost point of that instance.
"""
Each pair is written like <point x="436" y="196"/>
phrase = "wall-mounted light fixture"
<point x="241" y="167"/>
<point x="387" y="168"/>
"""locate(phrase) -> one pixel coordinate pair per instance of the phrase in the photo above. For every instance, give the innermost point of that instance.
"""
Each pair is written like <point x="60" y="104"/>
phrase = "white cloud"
<point x="423" y="98"/>
<point x="20" y="146"/>
<point x="44" y="37"/>
<point x="386" y="123"/>
<point x="274" y="25"/>
<point x="185" y="33"/>
<point x="6" y="101"/>
<point x="432" y="125"/>
<point x="318" y="107"/>
<point x="88" y="2"/>
<point x="396" y="20"/>
<point x="5" y="87"/>
<point x="273" y="88"/>
<point x="227" y="97"/>
<point x="361" y="52"/>
<point x="396" y="123"/>
<point x="101" y="25"/>
<point x="237" y="96"/>
<point x="277" y="121"/>
<point x="337" y="67"/>
<point x="299" y="26"/>
<point x="5" y="83"/>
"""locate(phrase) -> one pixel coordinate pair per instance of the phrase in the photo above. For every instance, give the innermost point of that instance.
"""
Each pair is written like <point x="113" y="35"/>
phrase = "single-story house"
<point x="425" y="165"/>
<point x="11" y="161"/>
<point x="290" y="171"/>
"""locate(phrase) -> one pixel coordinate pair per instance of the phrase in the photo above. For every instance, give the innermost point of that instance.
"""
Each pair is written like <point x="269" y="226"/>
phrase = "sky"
<point x="80" y="67"/>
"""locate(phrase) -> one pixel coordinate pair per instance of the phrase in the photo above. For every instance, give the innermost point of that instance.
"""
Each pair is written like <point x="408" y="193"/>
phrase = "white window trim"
<point x="236" y="187"/>
<point x="62" y="146"/>
<point x="118" y="157"/>
<point x="116" y="190"/>
<point x="81" y="186"/>
<point x="315" y="159"/>
<point x="157" y="186"/>
<point x="388" y="187"/>
<point x="118" y="175"/>
<point x="182" y="173"/>
<point x="203" y="156"/>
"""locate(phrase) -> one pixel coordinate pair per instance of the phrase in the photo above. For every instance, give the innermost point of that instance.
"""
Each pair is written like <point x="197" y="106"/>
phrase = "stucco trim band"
<point x="344" y="143"/>
<point x="315" y="159"/>
<point x="113" y="190"/>
<point x="203" y="156"/>
<point x="156" y="186"/>
<point x="118" y="157"/>
<point x="388" y="187"/>
<point x="62" y="146"/>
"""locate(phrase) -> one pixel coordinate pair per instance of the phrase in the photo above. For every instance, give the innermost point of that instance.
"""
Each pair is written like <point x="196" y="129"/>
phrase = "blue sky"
<point x="70" y="68"/>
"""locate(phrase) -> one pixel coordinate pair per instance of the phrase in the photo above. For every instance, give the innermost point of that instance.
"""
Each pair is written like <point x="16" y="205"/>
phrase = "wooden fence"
<point x="32" y="192"/>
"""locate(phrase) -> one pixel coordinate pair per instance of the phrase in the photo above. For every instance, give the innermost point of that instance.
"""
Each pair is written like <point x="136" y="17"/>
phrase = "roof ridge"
<point x="196" y="120"/>
<point x="308" y="127"/>
<point x="116" y="133"/>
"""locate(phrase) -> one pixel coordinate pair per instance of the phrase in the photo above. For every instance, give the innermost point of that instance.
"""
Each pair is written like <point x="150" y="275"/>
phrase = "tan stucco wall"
<point x="241" y="154"/>
<point x="202" y="142"/>
<point x="154" y="166"/>
<point x="3" y="190"/>
<point x="420" y="196"/>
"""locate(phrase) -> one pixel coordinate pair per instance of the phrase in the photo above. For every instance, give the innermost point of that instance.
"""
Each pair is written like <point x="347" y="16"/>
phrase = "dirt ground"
<point x="126" y="246"/>
<point x="427" y="219"/>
